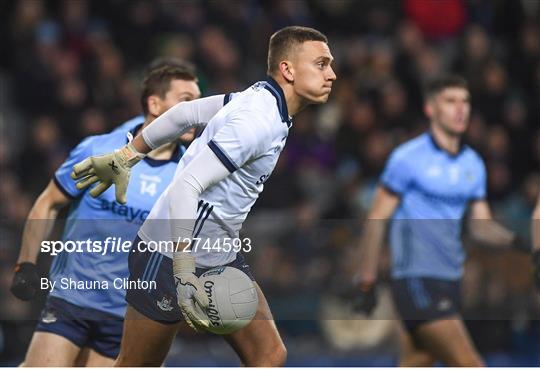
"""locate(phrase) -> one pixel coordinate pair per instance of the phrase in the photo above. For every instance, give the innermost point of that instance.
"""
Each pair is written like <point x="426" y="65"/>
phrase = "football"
<point x="233" y="299"/>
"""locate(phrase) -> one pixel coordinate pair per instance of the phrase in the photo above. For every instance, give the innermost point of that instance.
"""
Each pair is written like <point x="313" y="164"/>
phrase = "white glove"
<point x="107" y="169"/>
<point x="192" y="299"/>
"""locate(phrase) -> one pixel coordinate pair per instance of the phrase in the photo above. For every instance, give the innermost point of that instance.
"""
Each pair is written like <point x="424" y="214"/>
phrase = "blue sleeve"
<point x="479" y="192"/>
<point x="397" y="174"/>
<point x="62" y="176"/>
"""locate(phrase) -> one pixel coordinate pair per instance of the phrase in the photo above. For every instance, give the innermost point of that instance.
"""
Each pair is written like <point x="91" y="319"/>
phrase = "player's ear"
<point x="154" y="106"/>
<point x="287" y="70"/>
<point x="428" y="109"/>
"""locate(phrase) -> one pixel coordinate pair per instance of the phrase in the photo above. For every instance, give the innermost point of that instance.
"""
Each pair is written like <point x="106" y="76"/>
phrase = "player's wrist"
<point x="367" y="286"/>
<point x="129" y="155"/>
<point x="365" y="280"/>
<point x="183" y="263"/>
<point x="25" y="267"/>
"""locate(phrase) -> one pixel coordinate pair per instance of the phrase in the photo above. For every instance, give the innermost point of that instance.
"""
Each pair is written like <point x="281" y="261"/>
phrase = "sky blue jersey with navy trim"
<point x="435" y="188"/>
<point x="96" y="219"/>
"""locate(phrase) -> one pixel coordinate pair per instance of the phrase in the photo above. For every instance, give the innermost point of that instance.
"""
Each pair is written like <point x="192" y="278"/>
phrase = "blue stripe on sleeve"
<point x="229" y="164"/>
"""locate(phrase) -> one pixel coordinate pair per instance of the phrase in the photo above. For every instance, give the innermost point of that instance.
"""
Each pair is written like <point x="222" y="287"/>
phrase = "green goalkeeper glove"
<point x="106" y="170"/>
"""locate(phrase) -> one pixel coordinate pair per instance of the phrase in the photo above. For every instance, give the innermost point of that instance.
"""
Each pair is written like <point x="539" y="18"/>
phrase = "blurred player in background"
<point x="535" y="230"/>
<point x="84" y="327"/>
<point x="426" y="188"/>
<point x="217" y="182"/>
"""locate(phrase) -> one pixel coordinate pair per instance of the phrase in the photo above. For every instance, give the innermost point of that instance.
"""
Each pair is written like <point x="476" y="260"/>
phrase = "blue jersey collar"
<point x="175" y="157"/>
<point x="276" y="90"/>
<point x="440" y="148"/>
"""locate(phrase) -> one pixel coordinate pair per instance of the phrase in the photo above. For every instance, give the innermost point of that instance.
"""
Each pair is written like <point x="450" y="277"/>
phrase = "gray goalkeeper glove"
<point x="106" y="170"/>
<point x="192" y="299"/>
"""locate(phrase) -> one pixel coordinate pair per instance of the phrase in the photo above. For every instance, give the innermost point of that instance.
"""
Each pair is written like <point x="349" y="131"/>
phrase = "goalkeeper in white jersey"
<point x="217" y="182"/>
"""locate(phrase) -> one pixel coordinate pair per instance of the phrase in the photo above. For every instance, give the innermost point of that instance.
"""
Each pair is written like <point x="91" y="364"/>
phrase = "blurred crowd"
<point x="72" y="68"/>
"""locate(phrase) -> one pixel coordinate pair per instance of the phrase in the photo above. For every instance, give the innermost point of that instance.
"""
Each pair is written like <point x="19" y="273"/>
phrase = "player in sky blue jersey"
<point x="82" y="321"/>
<point x="427" y="187"/>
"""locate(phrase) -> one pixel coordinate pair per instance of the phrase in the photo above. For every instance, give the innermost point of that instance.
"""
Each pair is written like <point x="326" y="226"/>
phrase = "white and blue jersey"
<point x="435" y="189"/>
<point x="247" y="135"/>
<point x="96" y="219"/>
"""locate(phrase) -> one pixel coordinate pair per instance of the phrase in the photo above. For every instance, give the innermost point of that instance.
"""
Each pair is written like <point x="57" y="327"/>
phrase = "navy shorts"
<point x="84" y="327"/>
<point x="421" y="300"/>
<point x="159" y="303"/>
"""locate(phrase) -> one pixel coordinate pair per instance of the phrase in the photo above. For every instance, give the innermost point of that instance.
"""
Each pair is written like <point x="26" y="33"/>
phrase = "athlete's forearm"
<point x="370" y="248"/>
<point x="384" y="205"/>
<point x="492" y="233"/>
<point x="175" y="121"/>
<point x="202" y="172"/>
<point x="38" y="227"/>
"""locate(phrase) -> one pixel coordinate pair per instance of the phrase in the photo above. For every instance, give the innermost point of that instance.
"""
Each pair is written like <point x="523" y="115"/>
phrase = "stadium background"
<point x="69" y="69"/>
